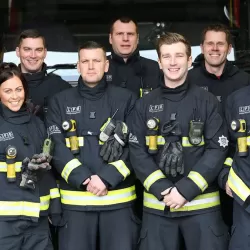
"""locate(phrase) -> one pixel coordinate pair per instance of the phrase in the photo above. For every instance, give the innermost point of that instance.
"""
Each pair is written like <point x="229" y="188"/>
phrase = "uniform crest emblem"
<point x="223" y="141"/>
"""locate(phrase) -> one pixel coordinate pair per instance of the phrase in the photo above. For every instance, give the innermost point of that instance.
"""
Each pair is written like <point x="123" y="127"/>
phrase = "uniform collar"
<point x="92" y="93"/>
<point x="174" y="94"/>
<point x="20" y="117"/>
<point x="133" y="58"/>
<point x="35" y="79"/>
<point x="229" y="70"/>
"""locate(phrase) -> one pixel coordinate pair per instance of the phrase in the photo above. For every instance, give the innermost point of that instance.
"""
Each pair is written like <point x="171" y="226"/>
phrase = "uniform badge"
<point x="223" y="141"/>
<point x="92" y="115"/>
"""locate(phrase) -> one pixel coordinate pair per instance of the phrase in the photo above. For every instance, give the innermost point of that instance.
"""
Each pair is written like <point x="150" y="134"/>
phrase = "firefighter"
<point x="216" y="74"/>
<point x="87" y="125"/>
<point x="127" y="68"/>
<point x="31" y="49"/>
<point x="213" y="72"/>
<point x="28" y="189"/>
<point x="235" y="180"/>
<point x="178" y="143"/>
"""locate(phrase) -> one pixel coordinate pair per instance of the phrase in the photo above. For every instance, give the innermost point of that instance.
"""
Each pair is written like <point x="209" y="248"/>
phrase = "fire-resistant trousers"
<point x="25" y="235"/>
<point x="113" y="230"/>
<point x="240" y="232"/>
<point x="200" y="232"/>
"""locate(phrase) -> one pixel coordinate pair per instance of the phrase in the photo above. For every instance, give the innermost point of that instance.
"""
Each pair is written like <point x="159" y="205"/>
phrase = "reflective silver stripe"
<point x="19" y="208"/>
<point x="238" y="186"/>
<point x="228" y="162"/>
<point x="186" y="143"/>
<point x="69" y="167"/>
<point x="87" y="199"/>
<point x="44" y="202"/>
<point x="198" y="179"/>
<point x="200" y="202"/>
<point x="248" y="141"/>
<point x="152" y="178"/>
<point x="3" y="166"/>
<point x="54" y="193"/>
<point x="121" y="168"/>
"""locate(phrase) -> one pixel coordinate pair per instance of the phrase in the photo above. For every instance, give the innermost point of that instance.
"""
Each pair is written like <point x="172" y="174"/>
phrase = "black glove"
<point x="121" y="133"/>
<point x="171" y="159"/>
<point x="112" y="149"/>
<point x="29" y="178"/>
<point x="40" y="162"/>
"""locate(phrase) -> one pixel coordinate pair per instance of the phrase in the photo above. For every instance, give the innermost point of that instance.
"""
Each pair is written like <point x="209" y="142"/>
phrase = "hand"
<point x="96" y="186"/>
<point x="228" y="190"/>
<point x="174" y="199"/>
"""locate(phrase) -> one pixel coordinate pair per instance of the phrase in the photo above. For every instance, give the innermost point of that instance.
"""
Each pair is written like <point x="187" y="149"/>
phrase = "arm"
<point x="208" y="167"/>
<point x="143" y="163"/>
<point x="117" y="171"/>
<point x="66" y="164"/>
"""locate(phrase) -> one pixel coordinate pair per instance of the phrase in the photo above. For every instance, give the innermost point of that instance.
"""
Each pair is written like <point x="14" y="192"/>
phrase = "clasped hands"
<point x="173" y="199"/>
<point x="95" y="186"/>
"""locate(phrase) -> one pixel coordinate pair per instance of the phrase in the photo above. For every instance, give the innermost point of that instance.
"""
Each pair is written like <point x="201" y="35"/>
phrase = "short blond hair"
<point x="171" y="38"/>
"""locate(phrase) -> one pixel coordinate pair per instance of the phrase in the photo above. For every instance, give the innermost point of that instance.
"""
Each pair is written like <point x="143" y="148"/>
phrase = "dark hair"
<point x="8" y="71"/>
<point x="171" y="38"/>
<point x="30" y="33"/>
<point x="123" y="19"/>
<point x="91" y="45"/>
<point x="217" y="28"/>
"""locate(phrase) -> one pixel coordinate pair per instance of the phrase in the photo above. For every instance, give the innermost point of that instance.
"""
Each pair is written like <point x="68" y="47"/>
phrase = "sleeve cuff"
<point x="110" y="175"/>
<point x="187" y="188"/>
<point x="78" y="176"/>
<point x="223" y="177"/>
<point x="160" y="186"/>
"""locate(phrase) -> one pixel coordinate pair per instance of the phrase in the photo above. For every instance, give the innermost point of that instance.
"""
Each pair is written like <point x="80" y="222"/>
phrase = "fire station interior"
<point x="67" y="23"/>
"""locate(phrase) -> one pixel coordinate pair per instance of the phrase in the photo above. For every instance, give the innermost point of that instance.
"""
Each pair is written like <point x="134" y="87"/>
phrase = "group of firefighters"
<point x="134" y="135"/>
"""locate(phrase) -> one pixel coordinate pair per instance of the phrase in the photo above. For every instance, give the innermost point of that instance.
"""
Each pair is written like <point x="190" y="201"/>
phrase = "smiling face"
<point x="32" y="53"/>
<point x="215" y="48"/>
<point x="174" y="63"/>
<point x="91" y="65"/>
<point x="12" y="93"/>
<point x="124" y="38"/>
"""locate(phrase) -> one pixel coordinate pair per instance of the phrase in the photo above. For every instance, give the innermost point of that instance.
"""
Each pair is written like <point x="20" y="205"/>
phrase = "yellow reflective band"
<point x="238" y="186"/>
<point x="186" y="143"/>
<point x="152" y="178"/>
<point x="69" y="167"/>
<point x="202" y="201"/>
<point x="54" y="193"/>
<point x="121" y="168"/>
<point x="80" y="198"/>
<point x="19" y="208"/>
<point x="160" y="140"/>
<point x="3" y="166"/>
<point x="198" y="180"/>
<point x="228" y="162"/>
<point x="44" y="202"/>
<point x="80" y="141"/>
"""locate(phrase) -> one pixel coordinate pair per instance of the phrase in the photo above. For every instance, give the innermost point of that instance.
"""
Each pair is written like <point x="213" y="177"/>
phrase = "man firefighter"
<point x="87" y="125"/>
<point x="178" y="143"/>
